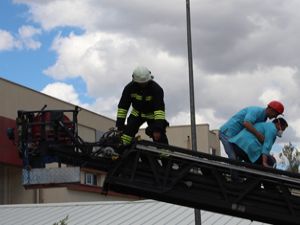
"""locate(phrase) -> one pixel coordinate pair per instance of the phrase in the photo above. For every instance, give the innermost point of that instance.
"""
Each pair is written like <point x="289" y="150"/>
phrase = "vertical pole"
<point x="192" y="101"/>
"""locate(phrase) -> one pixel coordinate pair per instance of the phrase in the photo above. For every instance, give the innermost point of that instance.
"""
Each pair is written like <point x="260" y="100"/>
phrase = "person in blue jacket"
<point x="245" y="119"/>
<point x="247" y="147"/>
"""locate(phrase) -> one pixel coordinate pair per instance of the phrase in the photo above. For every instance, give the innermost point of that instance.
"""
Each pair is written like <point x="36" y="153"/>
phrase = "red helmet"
<point x="277" y="106"/>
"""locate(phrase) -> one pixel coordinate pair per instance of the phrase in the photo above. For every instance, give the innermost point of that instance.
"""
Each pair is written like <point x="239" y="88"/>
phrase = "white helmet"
<point x="141" y="75"/>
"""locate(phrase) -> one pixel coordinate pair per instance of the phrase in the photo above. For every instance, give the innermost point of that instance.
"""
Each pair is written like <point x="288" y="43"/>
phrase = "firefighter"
<point x="249" y="149"/>
<point x="246" y="118"/>
<point x="147" y="100"/>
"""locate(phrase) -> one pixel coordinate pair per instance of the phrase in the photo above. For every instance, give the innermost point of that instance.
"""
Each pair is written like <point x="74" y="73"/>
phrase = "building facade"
<point x="180" y="136"/>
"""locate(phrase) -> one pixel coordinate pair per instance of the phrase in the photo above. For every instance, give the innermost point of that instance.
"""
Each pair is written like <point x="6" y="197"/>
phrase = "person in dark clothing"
<point x="146" y="97"/>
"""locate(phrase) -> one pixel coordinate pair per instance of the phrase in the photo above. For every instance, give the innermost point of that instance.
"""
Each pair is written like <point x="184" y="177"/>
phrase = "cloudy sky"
<point x="246" y="52"/>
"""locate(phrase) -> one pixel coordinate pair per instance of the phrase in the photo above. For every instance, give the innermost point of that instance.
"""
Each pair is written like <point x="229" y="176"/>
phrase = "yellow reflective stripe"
<point x="159" y="115"/>
<point x="121" y="113"/>
<point x="149" y="98"/>
<point x="126" y="139"/>
<point x="134" y="112"/>
<point x="140" y="97"/>
<point x="136" y="96"/>
<point x="148" y="116"/>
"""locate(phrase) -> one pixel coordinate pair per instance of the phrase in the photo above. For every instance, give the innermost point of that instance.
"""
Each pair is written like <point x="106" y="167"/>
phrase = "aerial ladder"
<point x="161" y="172"/>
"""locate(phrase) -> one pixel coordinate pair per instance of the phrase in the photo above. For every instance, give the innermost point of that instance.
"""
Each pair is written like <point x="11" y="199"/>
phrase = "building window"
<point x="90" y="179"/>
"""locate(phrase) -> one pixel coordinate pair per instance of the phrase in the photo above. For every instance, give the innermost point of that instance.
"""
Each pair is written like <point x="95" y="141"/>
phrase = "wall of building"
<point x="56" y="195"/>
<point x="11" y="189"/>
<point x="207" y="140"/>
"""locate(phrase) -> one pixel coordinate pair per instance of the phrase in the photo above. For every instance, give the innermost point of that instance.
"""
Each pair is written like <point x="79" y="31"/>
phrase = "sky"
<point x="245" y="52"/>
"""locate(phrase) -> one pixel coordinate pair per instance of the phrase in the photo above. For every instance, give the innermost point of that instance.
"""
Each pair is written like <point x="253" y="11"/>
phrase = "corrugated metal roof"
<point x="113" y="212"/>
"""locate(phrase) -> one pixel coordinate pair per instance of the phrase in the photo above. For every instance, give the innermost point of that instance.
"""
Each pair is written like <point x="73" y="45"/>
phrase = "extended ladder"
<point x="198" y="180"/>
<point x="162" y="172"/>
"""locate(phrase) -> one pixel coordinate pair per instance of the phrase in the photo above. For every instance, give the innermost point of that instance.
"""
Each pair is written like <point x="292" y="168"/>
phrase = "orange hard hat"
<point x="277" y="106"/>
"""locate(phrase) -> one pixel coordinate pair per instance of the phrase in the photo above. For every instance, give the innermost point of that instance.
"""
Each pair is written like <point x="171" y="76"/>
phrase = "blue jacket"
<point x="234" y="125"/>
<point x="251" y="145"/>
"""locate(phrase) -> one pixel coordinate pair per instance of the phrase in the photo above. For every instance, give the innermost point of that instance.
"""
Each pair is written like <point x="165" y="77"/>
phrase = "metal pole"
<point x="192" y="101"/>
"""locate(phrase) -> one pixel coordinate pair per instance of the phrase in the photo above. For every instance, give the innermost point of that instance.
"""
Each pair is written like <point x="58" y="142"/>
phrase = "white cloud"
<point x="63" y="92"/>
<point x="203" y="116"/>
<point x="27" y="35"/>
<point x="228" y="36"/>
<point x="24" y="39"/>
<point x="101" y="59"/>
<point x="67" y="93"/>
<point x="269" y="95"/>
<point x="180" y="118"/>
<point x="28" y="31"/>
<point x="243" y="89"/>
<point x="7" y="41"/>
<point x="105" y="106"/>
<point x="296" y="124"/>
<point x="52" y="14"/>
<point x="106" y="61"/>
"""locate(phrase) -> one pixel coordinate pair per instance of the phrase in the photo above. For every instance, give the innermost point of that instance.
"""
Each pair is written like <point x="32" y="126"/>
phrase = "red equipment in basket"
<point x="53" y="125"/>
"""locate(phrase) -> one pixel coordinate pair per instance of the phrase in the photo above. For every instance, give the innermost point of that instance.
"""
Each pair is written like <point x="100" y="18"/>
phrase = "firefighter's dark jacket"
<point x="147" y="102"/>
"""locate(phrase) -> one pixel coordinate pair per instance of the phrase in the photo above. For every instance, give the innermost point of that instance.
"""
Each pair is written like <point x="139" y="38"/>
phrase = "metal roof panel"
<point x="114" y="212"/>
